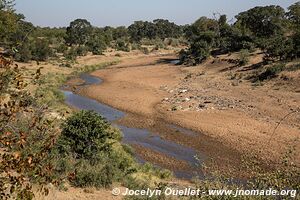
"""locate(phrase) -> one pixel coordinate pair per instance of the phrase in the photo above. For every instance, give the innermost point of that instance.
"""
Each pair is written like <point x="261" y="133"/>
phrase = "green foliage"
<point x="61" y="48"/>
<point x="97" y="44"/>
<point x="296" y="45"/>
<point x="34" y="49"/>
<point x="271" y="72"/>
<point x="8" y="23"/>
<point x="278" y="47"/>
<point x="85" y="134"/>
<point x="260" y="27"/>
<point x="24" y="53"/>
<point x="262" y="21"/>
<point x="199" y="49"/>
<point x="293" y="15"/>
<point x="122" y="46"/>
<point x="159" y="28"/>
<point x="135" y="46"/>
<point x="78" y="32"/>
<point x="94" y="175"/>
<point x="243" y="57"/>
<point x="40" y="50"/>
<point x="202" y="25"/>
<point x="120" y="32"/>
<point x="93" y="147"/>
<point x="71" y="54"/>
<point x="81" y="51"/>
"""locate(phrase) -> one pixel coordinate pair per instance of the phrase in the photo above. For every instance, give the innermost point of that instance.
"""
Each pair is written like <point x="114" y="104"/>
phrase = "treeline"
<point x="26" y="42"/>
<point x="268" y="28"/>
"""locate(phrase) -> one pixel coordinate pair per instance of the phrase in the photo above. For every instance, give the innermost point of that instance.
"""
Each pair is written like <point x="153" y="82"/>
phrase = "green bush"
<point x="41" y="50"/>
<point x="96" y="45"/>
<point x="271" y="72"/>
<point x="85" y="134"/>
<point x="71" y="54"/>
<point x="244" y="57"/>
<point x="122" y="46"/>
<point x="81" y="51"/>
<point x="24" y="53"/>
<point x="100" y="175"/>
<point x="92" y="146"/>
<point x="61" y="48"/>
<point x="36" y="49"/>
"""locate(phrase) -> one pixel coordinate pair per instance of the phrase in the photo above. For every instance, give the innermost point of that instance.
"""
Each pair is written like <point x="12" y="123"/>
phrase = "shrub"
<point x="243" y="57"/>
<point x="100" y="175"/>
<point x="71" y="54"/>
<point x="135" y="46"/>
<point x="40" y="50"/>
<point x="85" y="134"/>
<point x="24" y="53"/>
<point x="279" y="47"/>
<point x="61" y="48"/>
<point x="81" y="51"/>
<point x="271" y="72"/>
<point x="93" y="147"/>
<point x="97" y="45"/>
<point x="122" y="46"/>
<point x="145" y="50"/>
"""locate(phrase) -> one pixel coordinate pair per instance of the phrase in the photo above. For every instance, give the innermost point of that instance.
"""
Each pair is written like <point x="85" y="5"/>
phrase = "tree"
<point x="293" y="15"/>
<point x="8" y="22"/>
<point x="136" y="31"/>
<point x="40" y="49"/>
<point x="78" y="32"/>
<point x="120" y="32"/>
<point x="262" y="21"/>
<point x="122" y="46"/>
<point x="7" y="5"/>
<point x="166" y="29"/>
<point x="278" y="47"/>
<point x="199" y="49"/>
<point x="97" y="42"/>
<point x="203" y="24"/>
<point x="296" y="43"/>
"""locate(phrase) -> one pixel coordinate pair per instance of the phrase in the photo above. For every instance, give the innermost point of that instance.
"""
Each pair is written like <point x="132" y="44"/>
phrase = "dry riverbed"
<point x="231" y="116"/>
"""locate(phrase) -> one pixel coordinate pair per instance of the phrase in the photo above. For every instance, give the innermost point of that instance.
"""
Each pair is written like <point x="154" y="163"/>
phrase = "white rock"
<point x="183" y="91"/>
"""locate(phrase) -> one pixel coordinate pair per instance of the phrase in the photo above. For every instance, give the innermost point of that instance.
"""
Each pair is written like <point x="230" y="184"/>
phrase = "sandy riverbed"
<point x="236" y="119"/>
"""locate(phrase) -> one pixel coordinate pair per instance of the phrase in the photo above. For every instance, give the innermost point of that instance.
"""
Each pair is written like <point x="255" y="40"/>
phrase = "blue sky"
<point x="124" y="12"/>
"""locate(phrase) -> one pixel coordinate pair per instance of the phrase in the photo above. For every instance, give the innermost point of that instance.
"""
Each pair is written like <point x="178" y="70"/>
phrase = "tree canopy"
<point x="78" y="32"/>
